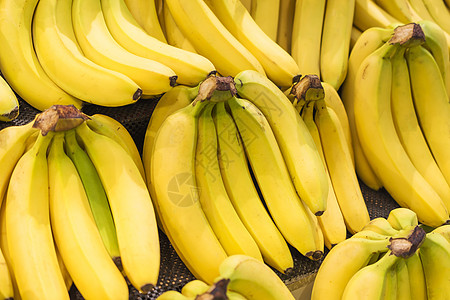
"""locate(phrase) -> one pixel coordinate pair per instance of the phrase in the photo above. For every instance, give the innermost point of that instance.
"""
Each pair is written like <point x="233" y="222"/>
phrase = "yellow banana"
<point x="6" y="285"/>
<point x="354" y="36"/>
<point x="9" y="105"/>
<point x="285" y="24"/>
<point x="399" y="9"/>
<point x="403" y="283"/>
<point x="266" y="14"/>
<point x="416" y="277"/>
<point x="194" y="288"/>
<point x="368" y="14"/>
<point x="382" y="226"/>
<point x="443" y="230"/>
<point x="440" y="13"/>
<point x="247" y="4"/>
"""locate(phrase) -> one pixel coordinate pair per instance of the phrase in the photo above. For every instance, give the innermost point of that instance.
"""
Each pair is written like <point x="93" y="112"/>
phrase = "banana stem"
<point x="59" y="118"/>
<point x="406" y="246"/>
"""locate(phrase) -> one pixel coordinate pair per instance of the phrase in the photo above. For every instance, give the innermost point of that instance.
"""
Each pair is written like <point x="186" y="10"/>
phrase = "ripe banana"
<point x="18" y="62"/>
<point x="96" y="195"/>
<point x="173" y="33"/>
<point x="368" y="14"/>
<point x="27" y="216"/>
<point x="340" y="167"/>
<point x="287" y="210"/>
<point x="247" y="4"/>
<point x="131" y="207"/>
<point x="146" y="16"/>
<point x="440" y="13"/>
<point x="431" y="104"/>
<point x="381" y="144"/>
<point x="244" y="196"/>
<point x="293" y="138"/>
<point x="370" y="40"/>
<point x="399" y="9"/>
<point x="210" y="37"/>
<point x="266" y="14"/>
<point x="6" y="286"/>
<point x="75" y="232"/>
<point x="416" y="277"/>
<point x="190" y="68"/>
<point x="253" y="279"/>
<point x="382" y="226"/>
<point x="98" y="45"/>
<point x="444" y="230"/>
<point x="58" y="51"/>
<point x="278" y="65"/>
<point x="335" y="45"/>
<point x="409" y="131"/>
<point x="172" y="295"/>
<point x="285" y="24"/>
<point x="307" y="35"/>
<point x="194" y="288"/>
<point x="354" y="36"/>
<point x="403" y="290"/>
<point x="9" y="105"/>
<point x="331" y="221"/>
<point x="172" y="175"/>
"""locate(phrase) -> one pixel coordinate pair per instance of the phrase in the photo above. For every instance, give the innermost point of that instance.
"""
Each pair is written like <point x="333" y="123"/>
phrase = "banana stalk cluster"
<point x="75" y="209"/>
<point x="393" y="258"/>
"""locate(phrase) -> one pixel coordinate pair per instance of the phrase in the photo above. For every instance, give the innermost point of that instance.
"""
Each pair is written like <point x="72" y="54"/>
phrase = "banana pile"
<point x="393" y="258"/>
<point x="75" y="209"/>
<point x="241" y="278"/>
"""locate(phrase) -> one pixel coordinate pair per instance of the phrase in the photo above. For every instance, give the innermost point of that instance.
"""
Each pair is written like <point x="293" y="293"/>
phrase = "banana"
<point x="131" y="207"/>
<point x="293" y="138"/>
<point x="335" y="45"/>
<point x="431" y="104"/>
<point x="110" y="127"/>
<point x="190" y="68"/>
<point x="266" y="14"/>
<point x="96" y="195"/>
<point x="211" y="39"/>
<point x="159" y="6"/>
<point x="403" y="283"/>
<point x="435" y="257"/>
<point x="247" y="4"/>
<point x="146" y="16"/>
<point x="57" y="50"/>
<point x="368" y="14"/>
<point x="194" y="288"/>
<point x="98" y="45"/>
<point x="382" y="226"/>
<point x="285" y="24"/>
<point x="354" y="36"/>
<point x="173" y="33"/>
<point x="287" y="210"/>
<point x="443" y="230"/>
<point x="401" y="218"/>
<point x="18" y="62"/>
<point x="9" y="105"/>
<point x="172" y="176"/>
<point x="307" y="34"/>
<point x="172" y="295"/>
<point x="244" y="196"/>
<point x="370" y="40"/>
<point x="370" y="282"/>
<point x="27" y="216"/>
<point x="216" y="204"/>
<point x="380" y="142"/>
<point x="75" y="232"/>
<point x="440" y="13"/>
<point x="65" y="273"/>
<point x="6" y="286"/>
<point x="253" y="279"/>
<point x="340" y="167"/>
<point x="331" y="221"/>
<point x="409" y="131"/>
<point x="341" y="263"/>
<point x="278" y="65"/>
<point x="416" y="277"/>
<point x="400" y="9"/>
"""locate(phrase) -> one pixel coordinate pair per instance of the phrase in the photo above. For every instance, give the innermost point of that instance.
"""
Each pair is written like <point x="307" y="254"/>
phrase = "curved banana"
<point x="96" y="195"/>
<point x="409" y="131"/>
<point x="340" y="167"/>
<point x="285" y="24"/>
<point x="381" y="144"/>
<point x="75" y="232"/>
<point x="27" y="216"/>
<point x="145" y="14"/>
<point x="131" y="207"/>
<point x="431" y="104"/>
<point x="307" y="35"/>
<point x="18" y="62"/>
<point x="98" y="45"/>
<point x="416" y="277"/>
<point x="435" y="257"/>
<point x="172" y="176"/>
<point x="190" y="68"/>
<point x="287" y="210"/>
<point x="173" y="33"/>
<point x="216" y="204"/>
<point x="244" y="196"/>
<point x="266" y="14"/>
<point x="335" y="45"/>
<point x="440" y="13"/>
<point x="331" y="221"/>
<point x="278" y="65"/>
<point x="9" y="105"/>
<point x="369" y="41"/>
<point x="253" y="279"/>
<point x="211" y="39"/>
<point x="368" y="14"/>
<point x="296" y="144"/>
<point x="57" y="51"/>
<point x="110" y="127"/>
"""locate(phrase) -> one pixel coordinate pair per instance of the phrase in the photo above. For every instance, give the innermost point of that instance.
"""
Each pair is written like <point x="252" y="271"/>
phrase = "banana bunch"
<point x="241" y="277"/>
<point x="398" y="109"/>
<point x="393" y="258"/>
<point x="74" y="52"/>
<point x="213" y="161"/>
<point x="75" y="209"/>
